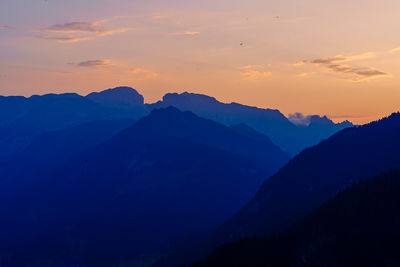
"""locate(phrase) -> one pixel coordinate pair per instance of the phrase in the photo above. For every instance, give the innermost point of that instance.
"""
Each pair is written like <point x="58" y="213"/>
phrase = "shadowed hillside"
<point x="50" y="150"/>
<point x="358" y="227"/>
<point x="170" y="174"/>
<point x="316" y="175"/>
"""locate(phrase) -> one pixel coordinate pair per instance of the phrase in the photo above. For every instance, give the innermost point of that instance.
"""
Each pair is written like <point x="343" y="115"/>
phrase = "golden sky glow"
<point x="338" y="58"/>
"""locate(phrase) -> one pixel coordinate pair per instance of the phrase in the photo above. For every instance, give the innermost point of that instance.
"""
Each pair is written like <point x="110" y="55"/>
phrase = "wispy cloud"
<point x="305" y="120"/>
<point x="299" y="63"/>
<point x="143" y="74"/>
<point x="5" y="27"/>
<point x="72" y="32"/>
<point x="394" y="50"/>
<point x="337" y="59"/>
<point x="187" y="33"/>
<point x="73" y="27"/>
<point x="335" y="64"/>
<point x="360" y="73"/>
<point x="254" y="72"/>
<point x="191" y="33"/>
<point x="64" y="39"/>
<point x="305" y="74"/>
<point x="94" y="63"/>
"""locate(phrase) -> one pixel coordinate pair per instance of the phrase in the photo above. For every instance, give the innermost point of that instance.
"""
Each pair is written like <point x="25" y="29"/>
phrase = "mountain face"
<point x="51" y="149"/>
<point x="150" y="184"/>
<point x="315" y="175"/>
<point x="274" y="124"/>
<point x="358" y="227"/>
<point x="119" y="97"/>
<point x="22" y="119"/>
<point x="187" y="125"/>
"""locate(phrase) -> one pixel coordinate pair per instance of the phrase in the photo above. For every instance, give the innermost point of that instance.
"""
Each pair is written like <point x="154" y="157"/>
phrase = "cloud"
<point x="299" y="119"/>
<point x="72" y="32"/>
<point x="335" y="64"/>
<point x="360" y="74"/>
<point x="191" y="33"/>
<point x="73" y="27"/>
<point x="299" y="63"/>
<point x="5" y="27"/>
<point x="186" y="33"/>
<point x="394" y="50"/>
<point x="254" y="72"/>
<point x="94" y="63"/>
<point x="143" y="74"/>
<point x="305" y="74"/>
<point x="64" y="39"/>
<point x="336" y="59"/>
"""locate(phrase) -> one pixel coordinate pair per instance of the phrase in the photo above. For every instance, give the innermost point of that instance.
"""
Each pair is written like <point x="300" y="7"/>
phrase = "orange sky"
<point x="313" y="56"/>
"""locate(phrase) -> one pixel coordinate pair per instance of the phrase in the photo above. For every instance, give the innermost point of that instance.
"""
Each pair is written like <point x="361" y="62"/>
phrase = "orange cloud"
<point x="143" y="74"/>
<point x="186" y="33"/>
<point x="191" y="33"/>
<point x="254" y="72"/>
<point x="5" y="27"/>
<point x="394" y="50"/>
<point x="299" y="63"/>
<point x="305" y="74"/>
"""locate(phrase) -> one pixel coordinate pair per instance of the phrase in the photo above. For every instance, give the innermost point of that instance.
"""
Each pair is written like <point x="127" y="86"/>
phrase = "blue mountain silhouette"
<point x="317" y="174"/>
<point x="170" y="174"/>
<point x="22" y="119"/>
<point x="358" y="227"/>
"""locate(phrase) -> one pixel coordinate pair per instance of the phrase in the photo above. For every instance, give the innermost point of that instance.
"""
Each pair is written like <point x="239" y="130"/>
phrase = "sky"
<point x="336" y="58"/>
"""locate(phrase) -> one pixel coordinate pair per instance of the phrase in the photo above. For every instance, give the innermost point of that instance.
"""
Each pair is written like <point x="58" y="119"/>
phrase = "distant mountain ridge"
<point x="21" y="118"/>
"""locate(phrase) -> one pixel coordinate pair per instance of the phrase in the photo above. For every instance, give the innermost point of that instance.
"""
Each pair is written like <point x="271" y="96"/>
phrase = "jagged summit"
<point x="189" y="98"/>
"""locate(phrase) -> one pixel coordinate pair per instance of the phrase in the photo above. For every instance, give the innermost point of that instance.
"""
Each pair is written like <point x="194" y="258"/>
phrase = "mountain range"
<point x="173" y="167"/>
<point x="22" y="119"/>
<point x="108" y="180"/>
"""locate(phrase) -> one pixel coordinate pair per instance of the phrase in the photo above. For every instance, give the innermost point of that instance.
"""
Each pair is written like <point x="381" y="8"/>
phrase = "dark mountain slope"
<point x="358" y="227"/>
<point x="52" y="149"/>
<point x="316" y="175"/>
<point x="189" y="126"/>
<point x="157" y="181"/>
<point x="268" y="121"/>
<point x="273" y="123"/>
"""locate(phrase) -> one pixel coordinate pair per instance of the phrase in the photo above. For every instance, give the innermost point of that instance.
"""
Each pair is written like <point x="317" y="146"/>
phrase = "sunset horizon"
<point x="306" y="57"/>
<point x="212" y="133"/>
